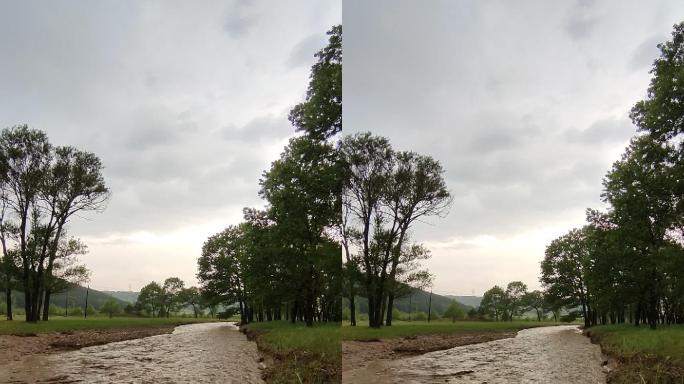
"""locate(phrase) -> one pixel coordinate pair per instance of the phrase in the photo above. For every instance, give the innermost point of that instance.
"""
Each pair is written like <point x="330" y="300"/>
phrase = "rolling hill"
<point x="418" y="300"/>
<point x="127" y="296"/>
<point x="473" y="301"/>
<point x="76" y="298"/>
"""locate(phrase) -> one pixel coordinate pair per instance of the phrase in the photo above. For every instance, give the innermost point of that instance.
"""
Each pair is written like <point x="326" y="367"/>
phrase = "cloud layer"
<point x="185" y="103"/>
<point x="526" y="106"/>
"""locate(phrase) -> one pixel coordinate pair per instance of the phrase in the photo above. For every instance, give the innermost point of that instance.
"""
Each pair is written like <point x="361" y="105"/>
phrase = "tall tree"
<point x="564" y="271"/>
<point x="515" y="292"/>
<point x="191" y="296"/>
<point x="150" y="298"/>
<point x="493" y="303"/>
<point x="385" y="193"/>
<point x="535" y="300"/>
<point x="320" y="115"/>
<point x="366" y="161"/>
<point x="42" y="188"/>
<point x="303" y="189"/>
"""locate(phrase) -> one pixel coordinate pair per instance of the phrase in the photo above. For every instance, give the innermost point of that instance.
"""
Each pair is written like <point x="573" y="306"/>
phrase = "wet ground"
<point x="559" y="355"/>
<point x="195" y="353"/>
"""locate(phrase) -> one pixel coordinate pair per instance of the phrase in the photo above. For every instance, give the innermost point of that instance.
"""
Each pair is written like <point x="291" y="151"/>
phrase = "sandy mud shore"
<point x="358" y="354"/>
<point x="559" y="354"/>
<point x="193" y="353"/>
<point x="15" y="348"/>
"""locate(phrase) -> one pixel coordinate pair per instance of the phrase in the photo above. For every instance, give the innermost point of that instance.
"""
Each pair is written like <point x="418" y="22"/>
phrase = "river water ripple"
<point x="195" y="353"/>
<point x="558" y="355"/>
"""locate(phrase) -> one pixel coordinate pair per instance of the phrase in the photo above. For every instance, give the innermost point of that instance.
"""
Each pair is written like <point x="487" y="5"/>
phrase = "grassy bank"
<point x="63" y="324"/>
<point x="643" y="355"/>
<point x="300" y="354"/>
<point x="415" y="328"/>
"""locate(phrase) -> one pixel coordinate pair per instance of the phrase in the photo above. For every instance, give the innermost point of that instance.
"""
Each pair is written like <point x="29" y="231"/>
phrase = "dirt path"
<point x="559" y="355"/>
<point x="195" y="353"/>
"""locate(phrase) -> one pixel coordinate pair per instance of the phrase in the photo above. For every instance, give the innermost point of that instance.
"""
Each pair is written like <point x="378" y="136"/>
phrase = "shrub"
<point x="55" y="310"/>
<point x="419" y="316"/>
<point x="78" y="311"/>
<point x="570" y="317"/>
<point x="346" y="314"/>
<point x="91" y="310"/>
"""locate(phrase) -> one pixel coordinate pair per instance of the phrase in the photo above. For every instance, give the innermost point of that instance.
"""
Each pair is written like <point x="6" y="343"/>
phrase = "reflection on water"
<point x="559" y="355"/>
<point x="196" y="353"/>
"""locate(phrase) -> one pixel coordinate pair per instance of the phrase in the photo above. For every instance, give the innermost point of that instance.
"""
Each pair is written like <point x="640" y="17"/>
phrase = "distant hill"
<point x="128" y="296"/>
<point x="76" y="298"/>
<point x="473" y="301"/>
<point x="419" y="300"/>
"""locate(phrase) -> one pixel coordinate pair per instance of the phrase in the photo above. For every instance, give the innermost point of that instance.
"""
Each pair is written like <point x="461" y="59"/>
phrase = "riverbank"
<point x="552" y="354"/>
<point x="19" y="339"/>
<point x="362" y="345"/>
<point x="297" y="354"/>
<point x="642" y="355"/>
<point x="200" y="353"/>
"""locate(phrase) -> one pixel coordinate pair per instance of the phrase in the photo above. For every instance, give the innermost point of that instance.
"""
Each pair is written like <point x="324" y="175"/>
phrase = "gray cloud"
<point x="262" y="128"/>
<point x="606" y="131"/>
<point x="580" y="27"/>
<point x="303" y="52"/>
<point x="237" y="26"/>
<point x="646" y="53"/>
<point x="150" y="87"/>
<point x="525" y="105"/>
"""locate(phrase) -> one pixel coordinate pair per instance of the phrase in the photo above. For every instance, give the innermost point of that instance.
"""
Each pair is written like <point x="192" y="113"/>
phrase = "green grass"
<point x="666" y="342"/>
<point x="61" y="324"/>
<point x="312" y="355"/>
<point x="654" y="356"/>
<point x="414" y="328"/>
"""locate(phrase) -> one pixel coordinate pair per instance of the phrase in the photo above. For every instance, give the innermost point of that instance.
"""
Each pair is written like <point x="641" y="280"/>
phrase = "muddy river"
<point x="559" y="355"/>
<point x="196" y="353"/>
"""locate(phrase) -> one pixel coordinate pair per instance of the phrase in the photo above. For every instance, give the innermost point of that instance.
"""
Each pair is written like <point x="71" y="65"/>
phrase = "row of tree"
<point x="283" y="262"/>
<point x="160" y="300"/>
<point x="385" y="193"/>
<point x="626" y="264"/>
<point x="502" y="305"/>
<point x="42" y="187"/>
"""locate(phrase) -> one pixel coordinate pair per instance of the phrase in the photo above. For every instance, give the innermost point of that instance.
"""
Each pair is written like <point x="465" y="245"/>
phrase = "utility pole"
<point x="430" y="306"/>
<point x="85" y="312"/>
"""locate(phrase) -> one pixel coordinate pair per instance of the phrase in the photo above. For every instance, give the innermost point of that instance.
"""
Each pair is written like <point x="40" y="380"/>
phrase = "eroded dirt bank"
<point x="195" y="353"/>
<point x="560" y="355"/>
<point x="15" y="348"/>
<point x="358" y="354"/>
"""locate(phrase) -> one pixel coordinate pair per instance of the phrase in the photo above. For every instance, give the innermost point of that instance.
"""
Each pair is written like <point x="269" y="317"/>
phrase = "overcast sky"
<point x="185" y="103"/>
<point x="524" y="103"/>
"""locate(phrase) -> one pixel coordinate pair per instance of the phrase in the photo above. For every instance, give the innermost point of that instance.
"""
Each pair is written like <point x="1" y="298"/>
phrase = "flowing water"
<point x="196" y="353"/>
<point x="558" y="355"/>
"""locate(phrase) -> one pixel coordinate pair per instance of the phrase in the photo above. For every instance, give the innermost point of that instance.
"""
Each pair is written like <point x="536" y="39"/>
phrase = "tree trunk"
<point x="309" y="308"/>
<point x="8" y="298"/>
<point x="383" y="309"/>
<point x="352" y="310"/>
<point x="39" y="306"/>
<point x="28" y="299"/>
<point x="390" y="306"/>
<point x="371" y="310"/>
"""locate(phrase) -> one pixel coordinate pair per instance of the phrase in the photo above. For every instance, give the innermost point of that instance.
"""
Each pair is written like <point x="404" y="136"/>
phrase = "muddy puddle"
<point x="195" y="353"/>
<point x="559" y="355"/>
